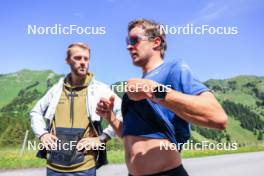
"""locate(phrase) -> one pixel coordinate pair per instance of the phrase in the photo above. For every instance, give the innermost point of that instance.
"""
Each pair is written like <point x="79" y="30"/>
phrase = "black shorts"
<point x="178" y="171"/>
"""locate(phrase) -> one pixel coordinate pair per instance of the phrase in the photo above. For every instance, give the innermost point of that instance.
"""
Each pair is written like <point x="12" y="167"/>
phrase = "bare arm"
<point x="200" y="109"/>
<point x="116" y="124"/>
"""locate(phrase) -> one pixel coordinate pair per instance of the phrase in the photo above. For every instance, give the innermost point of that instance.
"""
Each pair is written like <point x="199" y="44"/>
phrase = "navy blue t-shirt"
<point x="178" y="76"/>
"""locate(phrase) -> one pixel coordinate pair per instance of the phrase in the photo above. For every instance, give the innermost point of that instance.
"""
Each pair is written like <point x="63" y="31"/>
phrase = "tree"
<point x="260" y="136"/>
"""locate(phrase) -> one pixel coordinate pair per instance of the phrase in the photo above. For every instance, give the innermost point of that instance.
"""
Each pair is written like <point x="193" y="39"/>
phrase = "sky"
<point x="211" y="56"/>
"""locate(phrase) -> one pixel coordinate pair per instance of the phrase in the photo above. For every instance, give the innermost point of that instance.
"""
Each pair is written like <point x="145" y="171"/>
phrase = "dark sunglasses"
<point x="133" y="40"/>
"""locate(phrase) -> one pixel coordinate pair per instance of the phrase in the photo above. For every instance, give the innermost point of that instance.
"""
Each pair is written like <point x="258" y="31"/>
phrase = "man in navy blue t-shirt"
<point x="158" y="107"/>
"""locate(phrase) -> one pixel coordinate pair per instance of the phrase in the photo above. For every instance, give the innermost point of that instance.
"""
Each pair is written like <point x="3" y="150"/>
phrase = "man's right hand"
<point x="105" y="110"/>
<point x="49" y="141"/>
<point x="105" y="107"/>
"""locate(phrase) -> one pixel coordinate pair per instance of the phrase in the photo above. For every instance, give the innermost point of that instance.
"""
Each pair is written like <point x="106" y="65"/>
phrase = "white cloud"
<point x="214" y="9"/>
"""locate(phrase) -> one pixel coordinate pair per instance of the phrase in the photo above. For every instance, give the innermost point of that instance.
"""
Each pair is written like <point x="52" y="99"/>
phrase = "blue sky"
<point x="210" y="56"/>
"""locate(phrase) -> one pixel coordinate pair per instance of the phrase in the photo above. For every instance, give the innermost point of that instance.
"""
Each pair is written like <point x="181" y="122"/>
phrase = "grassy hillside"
<point x="11" y="84"/>
<point x="247" y="90"/>
<point x="20" y="92"/>
<point x="246" y="96"/>
<point x="239" y="134"/>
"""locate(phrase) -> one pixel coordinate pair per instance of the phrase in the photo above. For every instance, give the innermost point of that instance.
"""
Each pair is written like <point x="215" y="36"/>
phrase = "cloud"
<point x="212" y="10"/>
<point x="215" y="9"/>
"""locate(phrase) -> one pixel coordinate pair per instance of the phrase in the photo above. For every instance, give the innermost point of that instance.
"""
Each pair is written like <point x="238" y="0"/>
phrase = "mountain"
<point x="19" y="92"/>
<point x="11" y="84"/>
<point x="242" y="97"/>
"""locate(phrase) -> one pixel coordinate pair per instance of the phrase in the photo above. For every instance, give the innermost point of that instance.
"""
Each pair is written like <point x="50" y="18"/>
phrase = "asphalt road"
<point x="245" y="164"/>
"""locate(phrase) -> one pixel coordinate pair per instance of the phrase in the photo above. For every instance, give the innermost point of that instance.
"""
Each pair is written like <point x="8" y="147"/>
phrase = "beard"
<point x="80" y="71"/>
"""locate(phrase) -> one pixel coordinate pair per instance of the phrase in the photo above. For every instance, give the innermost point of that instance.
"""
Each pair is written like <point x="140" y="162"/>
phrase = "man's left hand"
<point x="89" y="143"/>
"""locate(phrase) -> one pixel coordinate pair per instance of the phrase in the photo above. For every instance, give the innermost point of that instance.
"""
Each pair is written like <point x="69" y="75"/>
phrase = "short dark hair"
<point x="153" y="30"/>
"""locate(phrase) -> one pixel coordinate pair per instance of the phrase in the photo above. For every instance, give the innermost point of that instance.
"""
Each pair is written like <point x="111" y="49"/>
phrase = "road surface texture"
<point x="245" y="164"/>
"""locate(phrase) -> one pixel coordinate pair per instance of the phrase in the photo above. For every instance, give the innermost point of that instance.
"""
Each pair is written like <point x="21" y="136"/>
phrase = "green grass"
<point x="11" y="84"/>
<point x="199" y="137"/>
<point x="116" y="156"/>
<point x="242" y="136"/>
<point x="239" y="97"/>
<point x="10" y="157"/>
<point x="238" y="134"/>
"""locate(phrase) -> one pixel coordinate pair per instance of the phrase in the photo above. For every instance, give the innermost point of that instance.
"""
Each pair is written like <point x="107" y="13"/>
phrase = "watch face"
<point x="160" y="92"/>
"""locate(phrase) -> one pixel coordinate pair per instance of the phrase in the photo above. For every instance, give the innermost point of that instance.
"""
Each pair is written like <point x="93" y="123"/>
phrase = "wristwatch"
<point x="160" y="92"/>
<point x="103" y="138"/>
